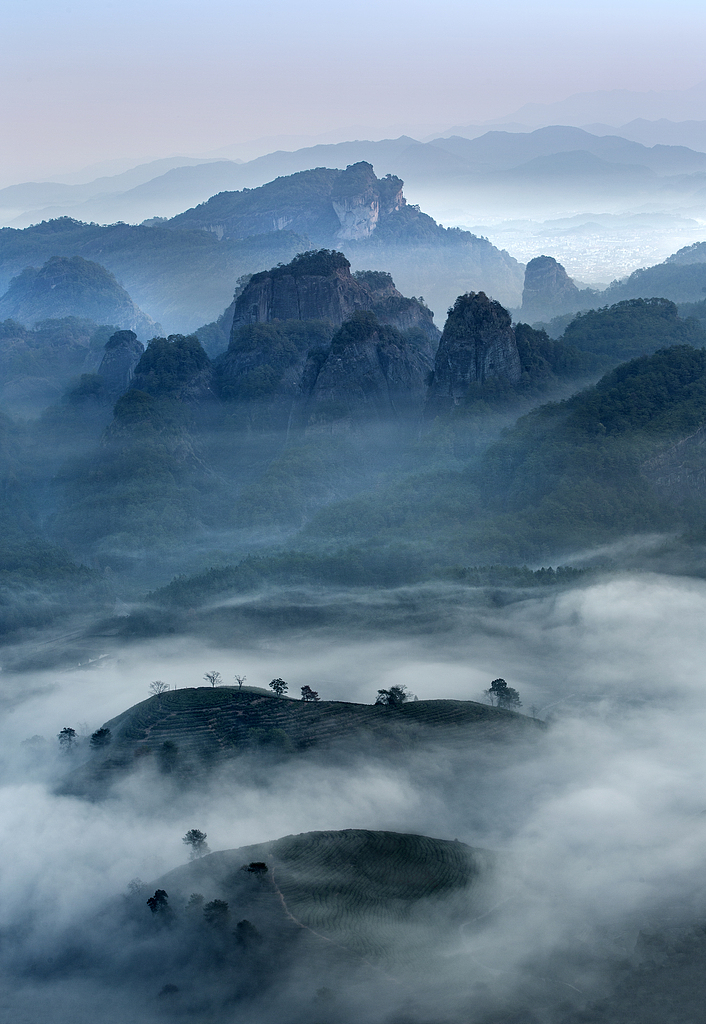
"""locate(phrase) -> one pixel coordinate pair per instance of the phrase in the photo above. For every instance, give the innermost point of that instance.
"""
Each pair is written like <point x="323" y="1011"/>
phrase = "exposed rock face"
<point x="548" y="291"/>
<point x="287" y="362"/>
<point x="320" y="286"/>
<point x="369" y="219"/>
<point x="478" y="344"/>
<point x="73" y="287"/>
<point x="307" y="375"/>
<point x="122" y="354"/>
<point x="359" y="200"/>
<point x="370" y="372"/>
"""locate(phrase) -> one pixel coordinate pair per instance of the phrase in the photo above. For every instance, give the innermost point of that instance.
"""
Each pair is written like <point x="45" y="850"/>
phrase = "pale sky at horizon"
<point x="86" y="82"/>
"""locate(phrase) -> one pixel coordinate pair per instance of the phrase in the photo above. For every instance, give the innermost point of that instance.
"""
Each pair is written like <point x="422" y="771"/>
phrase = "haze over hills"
<point x="353" y="513"/>
<point x="421" y="164"/>
<point x="184" y="276"/>
<point x="616" y="106"/>
<point x="72" y="287"/>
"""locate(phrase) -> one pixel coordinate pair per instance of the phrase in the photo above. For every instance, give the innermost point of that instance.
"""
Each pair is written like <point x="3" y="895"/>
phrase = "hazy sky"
<point x="84" y="82"/>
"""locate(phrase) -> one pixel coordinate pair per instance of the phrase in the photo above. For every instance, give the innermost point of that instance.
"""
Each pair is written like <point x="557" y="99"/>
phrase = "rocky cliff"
<point x="478" y="344"/>
<point x="360" y="199"/>
<point x="370" y="220"/>
<point x="286" y="360"/>
<point x="122" y="354"/>
<point x="549" y="291"/>
<point x="73" y="287"/>
<point x="371" y="371"/>
<point x="318" y="285"/>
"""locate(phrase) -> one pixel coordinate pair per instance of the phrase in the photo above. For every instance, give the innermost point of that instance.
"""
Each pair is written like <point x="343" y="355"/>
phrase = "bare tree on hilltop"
<point x="239" y="680"/>
<point x="214" y="678"/>
<point x="158" y="687"/>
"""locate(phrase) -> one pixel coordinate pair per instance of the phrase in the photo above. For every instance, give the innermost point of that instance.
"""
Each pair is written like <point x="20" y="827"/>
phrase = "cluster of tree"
<point x="632" y="328"/>
<point x="501" y="695"/>
<point x="393" y="697"/>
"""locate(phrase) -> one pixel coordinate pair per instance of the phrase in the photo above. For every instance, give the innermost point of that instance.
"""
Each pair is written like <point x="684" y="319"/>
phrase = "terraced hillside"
<point x="384" y="896"/>
<point x="184" y="731"/>
<point x="345" y="926"/>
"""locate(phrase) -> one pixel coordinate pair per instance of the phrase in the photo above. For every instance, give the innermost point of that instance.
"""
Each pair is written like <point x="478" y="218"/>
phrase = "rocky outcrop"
<point x="318" y="285"/>
<point x="548" y="291"/>
<point x="73" y="287"/>
<point x="359" y="199"/>
<point x="308" y="375"/>
<point x="478" y="344"/>
<point x="122" y="354"/>
<point x="176" y="368"/>
<point x="369" y="219"/>
<point x="370" y="372"/>
<point x="288" y="364"/>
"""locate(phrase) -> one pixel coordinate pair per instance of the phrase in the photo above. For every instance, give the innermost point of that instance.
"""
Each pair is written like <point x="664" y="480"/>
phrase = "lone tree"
<point x="214" y="678"/>
<point x="309" y="694"/>
<point x="279" y="686"/>
<point x="195" y="839"/>
<point x="393" y="697"/>
<point x="503" y="696"/>
<point x="100" y="738"/>
<point x="257" y="868"/>
<point x="67" y="738"/>
<point x="158" y="687"/>
<point x="239" y="680"/>
<point x="158" y="903"/>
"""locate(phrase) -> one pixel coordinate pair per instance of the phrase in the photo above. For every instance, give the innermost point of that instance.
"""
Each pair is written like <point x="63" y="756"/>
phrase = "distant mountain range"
<point x="491" y="168"/>
<point x="185" y="276"/>
<point x="615" y="105"/>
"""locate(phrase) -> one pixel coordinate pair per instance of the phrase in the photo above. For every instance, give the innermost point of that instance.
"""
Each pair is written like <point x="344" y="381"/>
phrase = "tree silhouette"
<point x="67" y="738"/>
<point x="393" y="697"/>
<point x="100" y="738"/>
<point x="158" y="902"/>
<point x="196" y="840"/>
<point x="503" y="696"/>
<point x="279" y="686"/>
<point x="257" y="867"/>
<point x="214" y="678"/>
<point x="158" y="687"/>
<point x="309" y="694"/>
<point x="239" y="680"/>
<point x="216" y="912"/>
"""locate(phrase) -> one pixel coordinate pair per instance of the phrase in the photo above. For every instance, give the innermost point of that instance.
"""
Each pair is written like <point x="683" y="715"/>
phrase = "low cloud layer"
<point x="601" y="825"/>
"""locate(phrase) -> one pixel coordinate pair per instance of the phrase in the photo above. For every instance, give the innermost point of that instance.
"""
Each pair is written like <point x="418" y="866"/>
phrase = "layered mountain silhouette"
<point x="184" y="273"/>
<point x="143" y="192"/>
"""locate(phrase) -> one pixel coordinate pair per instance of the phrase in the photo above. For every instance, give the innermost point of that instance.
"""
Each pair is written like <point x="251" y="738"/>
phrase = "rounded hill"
<point x="186" y="732"/>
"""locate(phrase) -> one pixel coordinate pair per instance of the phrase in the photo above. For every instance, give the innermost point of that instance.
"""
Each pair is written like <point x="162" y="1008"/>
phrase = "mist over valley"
<point x="353" y="517"/>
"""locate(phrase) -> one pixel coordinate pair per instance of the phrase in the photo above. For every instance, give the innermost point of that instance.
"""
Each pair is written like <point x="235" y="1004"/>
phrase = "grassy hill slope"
<point x="183" y="732"/>
<point x="366" y="891"/>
